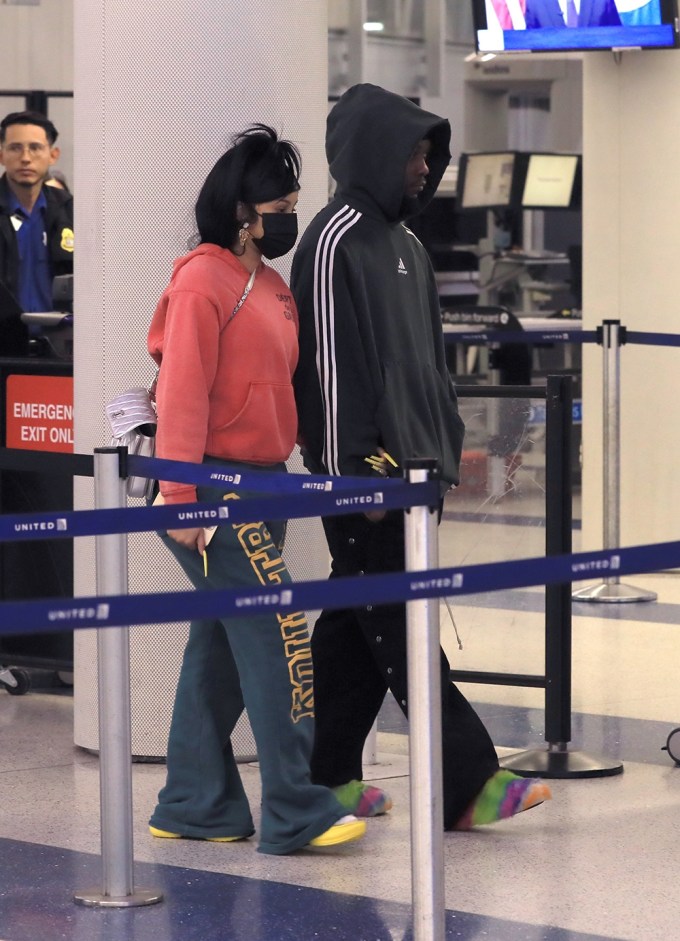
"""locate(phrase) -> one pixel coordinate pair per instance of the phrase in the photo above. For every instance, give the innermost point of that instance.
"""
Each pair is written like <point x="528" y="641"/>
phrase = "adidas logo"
<point x="402" y="267"/>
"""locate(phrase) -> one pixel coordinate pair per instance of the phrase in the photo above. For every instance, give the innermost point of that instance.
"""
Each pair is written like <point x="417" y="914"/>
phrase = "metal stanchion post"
<point x="558" y="761"/>
<point x="496" y="481"/>
<point x="115" y="739"/>
<point x="611" y="589"/>
<point x="369" y="756"/>
<point x="424" y="710"/>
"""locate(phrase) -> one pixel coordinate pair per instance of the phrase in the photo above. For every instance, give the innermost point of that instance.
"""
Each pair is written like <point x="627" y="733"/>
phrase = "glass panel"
<point x="459" y="28"/>
<point x="498" y="513"/>
<point x="406" y="18"/>
<point x="403" y="18"/>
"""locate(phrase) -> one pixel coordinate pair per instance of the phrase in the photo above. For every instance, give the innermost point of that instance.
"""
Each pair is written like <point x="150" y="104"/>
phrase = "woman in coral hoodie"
<point x="224" y="334"/>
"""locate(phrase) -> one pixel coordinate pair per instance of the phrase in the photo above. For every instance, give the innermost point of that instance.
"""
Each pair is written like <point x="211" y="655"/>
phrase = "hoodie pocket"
<point x="263" y="429"/>
<point x="418" y="417"/>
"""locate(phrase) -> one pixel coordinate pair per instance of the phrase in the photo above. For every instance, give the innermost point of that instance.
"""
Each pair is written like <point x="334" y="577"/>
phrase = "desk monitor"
<point x="552" y="181"/>
<point x="487" y="180"/>
<point x="9" y="305"/>
<point x="546" y="25"/>
<point x="13" y="333"/>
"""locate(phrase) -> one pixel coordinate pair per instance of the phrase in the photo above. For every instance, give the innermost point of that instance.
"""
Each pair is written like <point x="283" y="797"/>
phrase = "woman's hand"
<point x="190" y="538"/>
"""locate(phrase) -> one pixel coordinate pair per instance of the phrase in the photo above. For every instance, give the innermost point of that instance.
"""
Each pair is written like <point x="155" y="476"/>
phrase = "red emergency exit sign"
<point x="39" y="415"/>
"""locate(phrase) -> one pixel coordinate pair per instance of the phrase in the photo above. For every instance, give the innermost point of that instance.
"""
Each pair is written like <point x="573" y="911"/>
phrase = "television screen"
<point x="552" y="181"/>
<point x="487" y="180"/>
<point x="574" y="25"/>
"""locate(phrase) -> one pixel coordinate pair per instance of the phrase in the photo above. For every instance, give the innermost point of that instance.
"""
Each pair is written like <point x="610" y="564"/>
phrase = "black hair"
<point x="258" y="168"/>
<point x="29" y="117"/>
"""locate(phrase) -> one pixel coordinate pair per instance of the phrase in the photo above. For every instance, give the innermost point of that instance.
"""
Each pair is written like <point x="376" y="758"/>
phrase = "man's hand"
<point x="380" y="463"/>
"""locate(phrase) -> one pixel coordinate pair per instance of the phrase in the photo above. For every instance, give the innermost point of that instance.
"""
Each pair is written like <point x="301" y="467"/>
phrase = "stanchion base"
<point x="95" y="898"/>
<point x="388" y="765"/>
<point x="613" y="593"/>
<point x="549" y="763"/>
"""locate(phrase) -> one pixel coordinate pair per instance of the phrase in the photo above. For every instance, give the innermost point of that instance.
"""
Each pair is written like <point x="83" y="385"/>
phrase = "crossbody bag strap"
<point x="153" y="386"/>
<point x="245" y="294"/>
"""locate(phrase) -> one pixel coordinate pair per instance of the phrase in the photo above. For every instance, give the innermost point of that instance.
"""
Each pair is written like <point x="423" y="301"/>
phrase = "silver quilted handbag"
<point x="132" y="416"/>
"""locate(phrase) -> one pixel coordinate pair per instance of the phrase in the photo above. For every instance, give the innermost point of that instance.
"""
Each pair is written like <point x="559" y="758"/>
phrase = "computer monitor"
<point x="440" y="226"/>
<point x="487" y="180"/>
<point x="9" y="305"/>
<point x="552" y="181"/>
<point x="13" y="333"/>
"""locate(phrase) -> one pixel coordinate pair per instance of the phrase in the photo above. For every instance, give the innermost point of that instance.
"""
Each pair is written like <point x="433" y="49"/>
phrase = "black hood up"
<point x="370" y="135"/>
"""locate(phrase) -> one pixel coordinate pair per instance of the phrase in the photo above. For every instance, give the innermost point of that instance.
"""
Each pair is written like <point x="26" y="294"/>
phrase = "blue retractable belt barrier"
<point x="236" y="478"/>
<point x="27" y="526"/>
<point x="652" y="339"/>
<point x="18" y="617"/>
<point x="522" y="336"/>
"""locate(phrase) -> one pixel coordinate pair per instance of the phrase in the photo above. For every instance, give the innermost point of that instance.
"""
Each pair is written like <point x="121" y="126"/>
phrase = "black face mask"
<point x="280" y="233"/>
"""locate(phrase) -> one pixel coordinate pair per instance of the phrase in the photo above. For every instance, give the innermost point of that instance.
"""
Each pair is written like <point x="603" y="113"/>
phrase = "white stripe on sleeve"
<point x="324" y="322"/>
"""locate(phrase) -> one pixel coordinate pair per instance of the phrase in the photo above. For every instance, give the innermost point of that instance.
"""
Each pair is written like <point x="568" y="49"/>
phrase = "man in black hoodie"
<point x="372" y="379"/>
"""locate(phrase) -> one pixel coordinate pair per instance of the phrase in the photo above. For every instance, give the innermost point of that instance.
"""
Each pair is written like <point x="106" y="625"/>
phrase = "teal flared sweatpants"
<point x="262" y="661"/>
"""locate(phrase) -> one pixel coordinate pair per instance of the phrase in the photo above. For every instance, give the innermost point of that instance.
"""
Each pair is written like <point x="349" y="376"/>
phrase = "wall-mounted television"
<point x="574" y="25"/>
<point x="519" y="180"/>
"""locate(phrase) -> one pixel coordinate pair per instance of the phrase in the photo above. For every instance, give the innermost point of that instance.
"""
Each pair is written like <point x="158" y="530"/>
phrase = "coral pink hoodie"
<point x="224" y="387"/>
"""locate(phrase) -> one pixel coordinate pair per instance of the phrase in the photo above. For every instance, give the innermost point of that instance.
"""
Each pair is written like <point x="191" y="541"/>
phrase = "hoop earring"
<point x="243" y="234"/>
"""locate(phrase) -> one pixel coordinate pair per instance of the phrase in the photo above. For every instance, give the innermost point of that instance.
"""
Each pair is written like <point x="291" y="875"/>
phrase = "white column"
<point x="630" y="223"/>
<point x="160" y="87"/>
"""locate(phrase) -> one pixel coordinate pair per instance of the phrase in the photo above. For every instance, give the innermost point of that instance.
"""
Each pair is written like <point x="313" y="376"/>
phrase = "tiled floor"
<point x="601" y="860"/>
